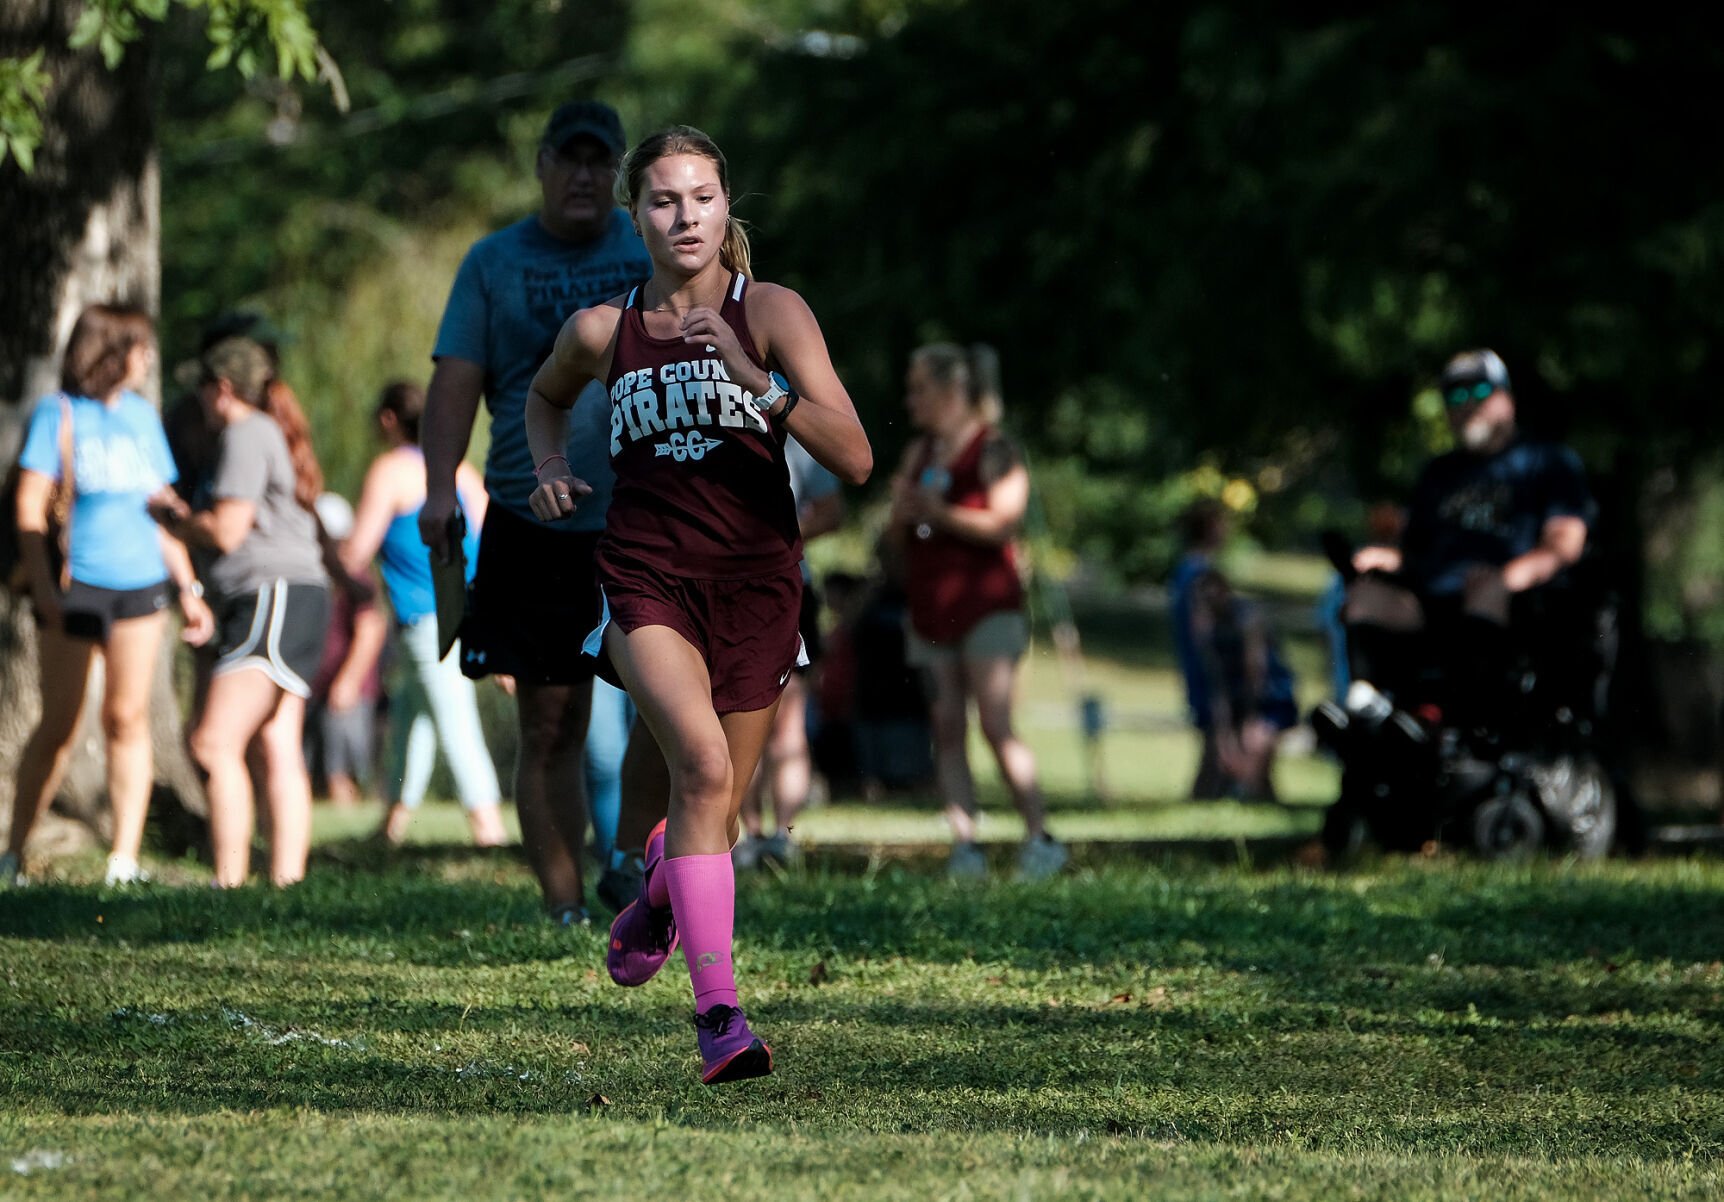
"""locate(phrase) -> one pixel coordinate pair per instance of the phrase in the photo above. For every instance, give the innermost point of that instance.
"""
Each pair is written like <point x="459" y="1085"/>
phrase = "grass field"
<point x="409" y="1026"/>
<point x="1162" y="1021"/>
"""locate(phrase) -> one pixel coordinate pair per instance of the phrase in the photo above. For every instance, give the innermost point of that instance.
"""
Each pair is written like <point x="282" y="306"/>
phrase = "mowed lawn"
<point x="1162" y="1021"/>
<point x="410" y="1027"/>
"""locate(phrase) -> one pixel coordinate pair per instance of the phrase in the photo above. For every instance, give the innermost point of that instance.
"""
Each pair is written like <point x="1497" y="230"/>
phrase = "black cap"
<point x="1473" y="367"/>
<point x="586" y="118"/>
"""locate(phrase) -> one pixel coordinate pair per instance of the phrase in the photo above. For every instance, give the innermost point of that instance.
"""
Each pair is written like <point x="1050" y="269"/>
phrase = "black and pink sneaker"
<point x="729" y="1051"/>
<point x="643" y="936"/>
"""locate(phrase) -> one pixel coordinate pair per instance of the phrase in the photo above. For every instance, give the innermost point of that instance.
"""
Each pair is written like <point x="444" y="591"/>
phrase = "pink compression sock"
<point x="658" y="887"/>
<point x="703" y="898"/>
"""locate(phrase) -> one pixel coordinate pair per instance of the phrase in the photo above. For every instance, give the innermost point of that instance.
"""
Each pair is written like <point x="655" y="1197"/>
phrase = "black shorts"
<point x="90" y="612"/>
<point x="278" y="630"/>
<point x="532" y="599"/>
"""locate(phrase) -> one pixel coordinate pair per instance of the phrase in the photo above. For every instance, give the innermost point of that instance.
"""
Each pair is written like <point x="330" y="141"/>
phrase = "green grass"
<point x="1161" y="1022"/>
<point x="409" y="1026"/>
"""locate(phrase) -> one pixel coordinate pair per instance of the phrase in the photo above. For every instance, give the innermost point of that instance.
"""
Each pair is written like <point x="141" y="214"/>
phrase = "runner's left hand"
<point x="703" y="325"/>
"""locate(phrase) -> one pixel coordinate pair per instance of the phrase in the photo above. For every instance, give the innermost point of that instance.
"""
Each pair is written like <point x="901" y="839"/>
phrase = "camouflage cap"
<point x="242" y="363"/>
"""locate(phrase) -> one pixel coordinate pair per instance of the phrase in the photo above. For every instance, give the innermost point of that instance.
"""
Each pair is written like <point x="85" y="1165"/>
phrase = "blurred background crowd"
<point x="1225" y="254"/>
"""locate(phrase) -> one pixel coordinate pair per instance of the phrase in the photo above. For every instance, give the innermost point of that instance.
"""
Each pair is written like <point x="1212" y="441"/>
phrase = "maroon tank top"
<point x="952" y="583"/>
<point x="701" y="490"/>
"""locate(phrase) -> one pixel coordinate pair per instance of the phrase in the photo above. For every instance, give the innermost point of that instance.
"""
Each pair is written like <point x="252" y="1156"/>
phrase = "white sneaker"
<point x="967" y="863"/>
<point x="123" y="870"/>
<point x="11" y="871"/>
<point x="1039" y="859"/>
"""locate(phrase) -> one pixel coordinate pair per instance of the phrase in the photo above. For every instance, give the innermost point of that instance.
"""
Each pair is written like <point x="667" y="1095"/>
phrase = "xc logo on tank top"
<point x="680" y="447"/>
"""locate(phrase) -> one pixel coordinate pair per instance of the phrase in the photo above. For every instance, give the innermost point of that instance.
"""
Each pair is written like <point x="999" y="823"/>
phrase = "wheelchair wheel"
<point x="1508" y="827"/>
<point x="1580" y="802"/>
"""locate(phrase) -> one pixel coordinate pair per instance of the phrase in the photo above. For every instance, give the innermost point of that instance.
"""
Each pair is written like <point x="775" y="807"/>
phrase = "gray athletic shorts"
<point x="278" y="630"/>
<point x="1002" y="635"/>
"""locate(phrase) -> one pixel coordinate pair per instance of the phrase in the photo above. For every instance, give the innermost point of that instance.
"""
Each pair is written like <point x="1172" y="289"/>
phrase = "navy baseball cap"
<point x="586" y="118"/>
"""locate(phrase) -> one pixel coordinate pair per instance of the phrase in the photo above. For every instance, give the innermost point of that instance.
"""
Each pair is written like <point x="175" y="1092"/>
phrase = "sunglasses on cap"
<point x="1457" y="395"/>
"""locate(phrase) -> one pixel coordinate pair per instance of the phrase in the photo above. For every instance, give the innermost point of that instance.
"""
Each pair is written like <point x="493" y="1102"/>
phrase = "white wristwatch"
<point x="777" y="390"/>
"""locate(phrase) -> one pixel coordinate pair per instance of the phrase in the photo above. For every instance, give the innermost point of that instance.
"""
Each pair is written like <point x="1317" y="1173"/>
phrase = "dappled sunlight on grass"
<point x="1535" y="1027"/>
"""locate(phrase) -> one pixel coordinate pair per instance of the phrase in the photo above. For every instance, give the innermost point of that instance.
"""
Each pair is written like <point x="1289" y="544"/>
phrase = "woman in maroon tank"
<point x="708" y="372"/>
<point x="958" y="501"/>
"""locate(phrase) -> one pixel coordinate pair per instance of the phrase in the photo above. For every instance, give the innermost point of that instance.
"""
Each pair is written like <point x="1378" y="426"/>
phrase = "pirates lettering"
<point x="695" y="393"/>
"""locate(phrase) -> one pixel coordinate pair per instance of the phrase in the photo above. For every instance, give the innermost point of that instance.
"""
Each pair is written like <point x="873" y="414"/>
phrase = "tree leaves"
<point x="247" y="35"/>
<point x="23" y="90"/>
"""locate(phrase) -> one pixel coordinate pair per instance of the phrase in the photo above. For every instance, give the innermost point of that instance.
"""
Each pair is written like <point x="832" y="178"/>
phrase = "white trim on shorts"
<point x="266" y="631"/>
<point x="594" y="643"/>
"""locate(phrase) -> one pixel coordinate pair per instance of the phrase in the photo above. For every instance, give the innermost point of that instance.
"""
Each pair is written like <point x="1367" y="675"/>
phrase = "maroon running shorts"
<point x="745" y="630"/>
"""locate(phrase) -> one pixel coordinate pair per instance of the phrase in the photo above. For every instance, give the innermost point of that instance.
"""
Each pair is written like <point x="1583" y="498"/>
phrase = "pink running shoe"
<point x="643" y="936"/>
<point x="728" y="1049"/>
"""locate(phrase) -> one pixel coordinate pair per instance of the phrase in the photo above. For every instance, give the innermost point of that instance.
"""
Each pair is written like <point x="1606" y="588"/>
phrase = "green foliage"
<point x="1685" y="557"/>
<point x="23" y="89"/>
<point x="250" y="33"/>
<point x="112" y="25"/>
<point x="244" y="34"/>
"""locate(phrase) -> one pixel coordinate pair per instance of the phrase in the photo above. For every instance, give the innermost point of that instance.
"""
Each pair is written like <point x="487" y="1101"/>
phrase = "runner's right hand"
<point x="557" y="497"/>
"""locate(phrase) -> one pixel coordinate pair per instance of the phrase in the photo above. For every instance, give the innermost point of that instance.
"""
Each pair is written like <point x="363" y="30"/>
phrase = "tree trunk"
<point x="83" y="228"/>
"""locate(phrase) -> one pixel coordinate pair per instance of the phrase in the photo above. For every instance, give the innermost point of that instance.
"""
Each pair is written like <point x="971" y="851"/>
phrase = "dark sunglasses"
<point x="1467" y="394"/>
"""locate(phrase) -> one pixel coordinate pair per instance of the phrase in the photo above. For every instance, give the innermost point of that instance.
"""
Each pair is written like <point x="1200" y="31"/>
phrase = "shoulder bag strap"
<point x="67" y="490"/>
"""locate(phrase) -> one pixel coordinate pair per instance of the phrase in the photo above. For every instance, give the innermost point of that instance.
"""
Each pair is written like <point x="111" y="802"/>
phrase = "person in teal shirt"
<point x="433" y="706"/>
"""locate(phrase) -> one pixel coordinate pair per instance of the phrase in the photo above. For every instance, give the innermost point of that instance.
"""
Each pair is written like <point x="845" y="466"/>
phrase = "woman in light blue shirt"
<point x="109" y="593"/>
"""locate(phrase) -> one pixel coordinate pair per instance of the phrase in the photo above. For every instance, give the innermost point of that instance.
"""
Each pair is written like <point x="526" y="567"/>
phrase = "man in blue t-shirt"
<point x="533" y="595"/>
<point x="1489" y="521"/>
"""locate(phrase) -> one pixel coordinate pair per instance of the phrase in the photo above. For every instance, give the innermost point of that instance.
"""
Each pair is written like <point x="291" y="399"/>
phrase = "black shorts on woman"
<point x="532" y="596"/>
<point x="278" y="628"/>
<point x="89" y="611"/>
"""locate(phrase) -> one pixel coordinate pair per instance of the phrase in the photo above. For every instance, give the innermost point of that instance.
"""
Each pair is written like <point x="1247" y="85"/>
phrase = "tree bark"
<point x="84" y="227"/>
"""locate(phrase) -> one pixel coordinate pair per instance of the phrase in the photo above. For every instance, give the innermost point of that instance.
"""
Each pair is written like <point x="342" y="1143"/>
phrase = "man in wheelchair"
<point x="1488" y="523"/>
<point x="1473" y="632"/>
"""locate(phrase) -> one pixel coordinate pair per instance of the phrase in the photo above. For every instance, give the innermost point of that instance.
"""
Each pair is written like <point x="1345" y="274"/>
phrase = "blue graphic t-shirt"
<point x="511" y="296"/>
<point x="1488" y="509"/>
<point x="119" y="459"/>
